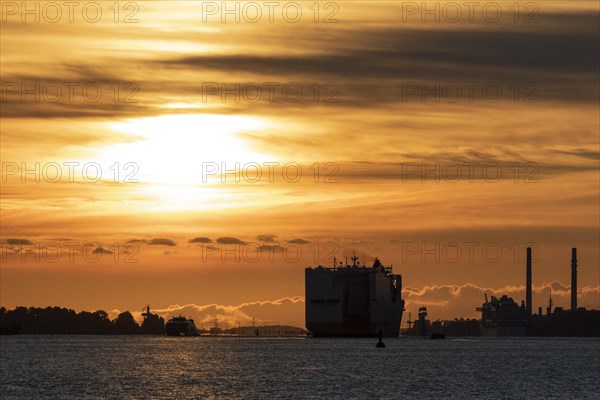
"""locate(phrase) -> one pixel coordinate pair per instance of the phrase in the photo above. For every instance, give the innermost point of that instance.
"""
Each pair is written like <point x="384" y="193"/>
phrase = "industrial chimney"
<point x="528" y="302"/>
<point x="574" y="279"/>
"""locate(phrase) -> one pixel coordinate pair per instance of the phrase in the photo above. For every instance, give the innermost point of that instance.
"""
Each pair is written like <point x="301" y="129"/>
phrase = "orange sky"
<point x="357" y="128"/>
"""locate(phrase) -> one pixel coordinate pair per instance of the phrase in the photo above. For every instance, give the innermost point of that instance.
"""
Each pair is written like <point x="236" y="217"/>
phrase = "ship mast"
<point x="354" y="258"/>
<point x="146" y="313"/>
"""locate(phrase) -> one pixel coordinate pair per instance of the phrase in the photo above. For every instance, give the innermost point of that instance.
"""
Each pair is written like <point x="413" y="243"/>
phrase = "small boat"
<point x="437" y="336"/>
<point x="181" y="326"/>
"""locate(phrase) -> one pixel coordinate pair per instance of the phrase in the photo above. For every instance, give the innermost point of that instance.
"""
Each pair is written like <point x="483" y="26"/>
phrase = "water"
<point x="90" y="367"/>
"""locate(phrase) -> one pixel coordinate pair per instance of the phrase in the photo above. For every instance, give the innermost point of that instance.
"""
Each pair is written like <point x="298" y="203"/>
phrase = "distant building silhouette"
<point x="503" y="317"/>
<point x="422" y="322"/>
<point x="528" y="284"/>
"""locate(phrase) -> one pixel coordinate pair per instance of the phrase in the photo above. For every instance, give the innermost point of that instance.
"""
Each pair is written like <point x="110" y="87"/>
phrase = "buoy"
<point x="380" y="343"/>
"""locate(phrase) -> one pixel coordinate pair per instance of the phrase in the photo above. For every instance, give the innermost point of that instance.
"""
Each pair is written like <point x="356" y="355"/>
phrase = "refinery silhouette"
<point x="505" y="317"/>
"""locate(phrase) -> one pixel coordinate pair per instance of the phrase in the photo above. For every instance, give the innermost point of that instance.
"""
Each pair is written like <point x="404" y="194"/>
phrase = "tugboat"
<point x="181" y="326"/>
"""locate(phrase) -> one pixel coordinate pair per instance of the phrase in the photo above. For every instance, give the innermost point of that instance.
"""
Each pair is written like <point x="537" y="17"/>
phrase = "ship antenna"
<point x="354" y="258"/>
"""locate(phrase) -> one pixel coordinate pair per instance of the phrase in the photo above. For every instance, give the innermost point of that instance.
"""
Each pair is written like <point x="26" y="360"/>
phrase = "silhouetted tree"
<point x="125" y="324"/>
<point x="93" y="323"/>
<point x="7" y="323"/>
<point x="153" y="324"/>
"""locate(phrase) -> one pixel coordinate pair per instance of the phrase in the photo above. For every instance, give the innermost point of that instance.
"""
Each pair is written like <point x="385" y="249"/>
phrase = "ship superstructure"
<point x="353" y="300"/>
<point x="181" y="326"/>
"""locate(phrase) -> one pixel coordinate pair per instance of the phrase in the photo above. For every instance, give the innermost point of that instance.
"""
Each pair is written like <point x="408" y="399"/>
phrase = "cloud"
<point x="298" y="241"/>
<point x="466" y="167"/>
<point x="381" y="59"/>
<point x="583" y="153"/>
<point x="286" y="310"/>
<point x="367" y="60"/>
<point x="200" y="239"/>
<point x="137" y="241"/>
<point x="230" y="240"/>
<point x="270" y="248"/>
<point x="266" y="238"/>
<point x="162" y="242"/>
<point x="558" y="287"/>
<point x="101" y="250"/>
<point x="64" y="106"/>
<point x="19" y="242"/>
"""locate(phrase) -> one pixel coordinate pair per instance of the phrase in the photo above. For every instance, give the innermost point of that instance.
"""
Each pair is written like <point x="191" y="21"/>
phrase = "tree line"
<point x="57" y="320"/>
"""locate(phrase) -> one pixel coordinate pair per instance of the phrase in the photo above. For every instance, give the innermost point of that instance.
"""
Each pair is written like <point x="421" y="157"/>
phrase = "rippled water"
<point x="266" y="368"/>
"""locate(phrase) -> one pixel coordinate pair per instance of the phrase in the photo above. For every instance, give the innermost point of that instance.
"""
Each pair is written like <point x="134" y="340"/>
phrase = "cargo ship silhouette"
<point x="353" y="300"/>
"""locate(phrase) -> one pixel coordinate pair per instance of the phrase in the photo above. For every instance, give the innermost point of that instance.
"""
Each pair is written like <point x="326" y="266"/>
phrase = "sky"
<point x="198" y="156"/>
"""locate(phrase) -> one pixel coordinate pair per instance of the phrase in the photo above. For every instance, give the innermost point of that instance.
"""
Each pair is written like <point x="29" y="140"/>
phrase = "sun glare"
<point x="172" y="154"/>
<point x="174" y="148"/>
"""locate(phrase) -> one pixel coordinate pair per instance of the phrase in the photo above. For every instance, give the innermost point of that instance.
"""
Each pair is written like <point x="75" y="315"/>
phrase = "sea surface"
<point x="141" y="367"/>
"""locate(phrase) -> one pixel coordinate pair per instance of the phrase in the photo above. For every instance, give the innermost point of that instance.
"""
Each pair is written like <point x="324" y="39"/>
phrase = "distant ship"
<point x="353" y="300"/>
<point x="181" y="326"/>
<point x="503" y="317"/>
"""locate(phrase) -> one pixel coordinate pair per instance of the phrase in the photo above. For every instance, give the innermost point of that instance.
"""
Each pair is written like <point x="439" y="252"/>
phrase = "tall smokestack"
<point x="528" y="284"/>
<point x="574" y="278"/>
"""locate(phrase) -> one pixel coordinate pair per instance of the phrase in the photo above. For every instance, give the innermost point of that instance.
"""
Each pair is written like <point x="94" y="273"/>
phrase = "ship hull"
<point x="181" y="328"/>
<point x="390" y="329"/>
<point x="177" y="332"/>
